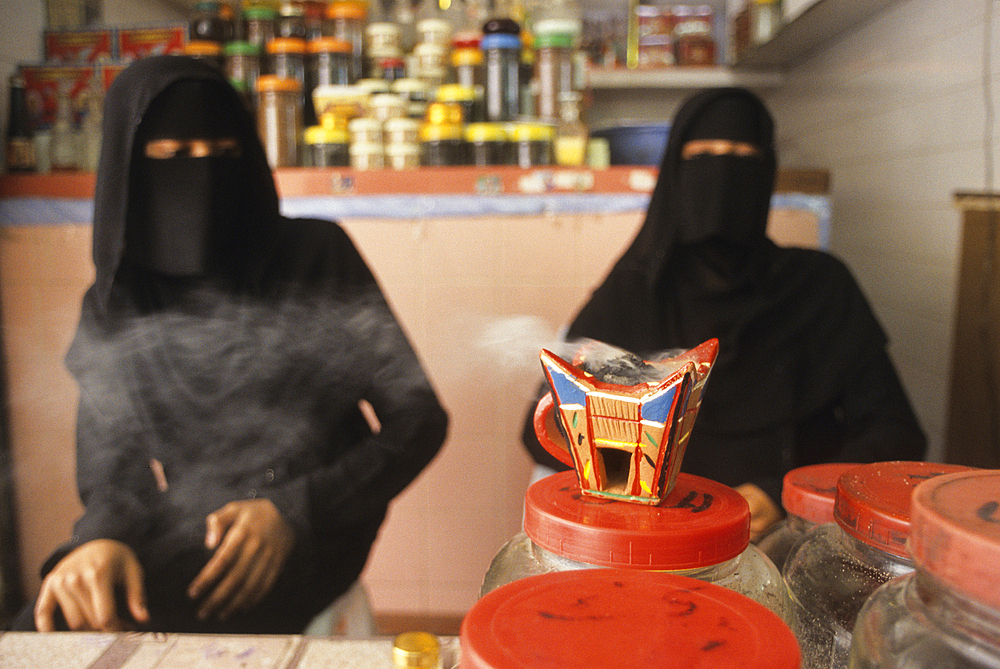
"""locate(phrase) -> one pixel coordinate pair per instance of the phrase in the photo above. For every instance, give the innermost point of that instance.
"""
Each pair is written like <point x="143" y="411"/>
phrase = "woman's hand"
<point x="83" y="585"/>
<point x="251" y="542"/>
<point x="764" y="512"/>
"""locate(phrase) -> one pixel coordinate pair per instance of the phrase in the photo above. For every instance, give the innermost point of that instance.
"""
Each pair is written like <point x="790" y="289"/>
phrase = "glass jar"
<point x="555" y="52"/>
<point x="287" y="60"/>
<point x="433" y="31"/>
<point x="207" y="23"/>
<point x="570" y="142"/>
<point x="346" y="21"/>
<point x="489" y="144"/>
<point x="365" y="130"/>
<point x="243" y="67"/>
<point x="417" y="94"/>
<point x="702" y="530"/>
<point x="402" y="155"/>
<point x="327" y="146"/>
<point x="385" y="106"/>
<point x="502" y="83"/>
<point x="464" y="97"/>
<point x="279" y="119"/>
<point x="532" y="143"/>
<point x="258" y="25"/>
<point x="622" y="619"/>
<point x="430" y="62"/>
<point x="835" y="567"/>
<point x="290" y="21"/>
<point x="946" y="613"/>
<point x="329" y="62"/>
<point x="384" y="40"/>
<point x="403" y="130"/>
<point x="442" y="144"/>
<point x="807" y="495"/>
<point x="367" y="155"/>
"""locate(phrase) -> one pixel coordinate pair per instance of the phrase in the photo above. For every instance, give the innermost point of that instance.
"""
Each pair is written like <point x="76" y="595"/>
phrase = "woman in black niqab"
<point x="223" y="355"/>
<point x="802" y="375"/>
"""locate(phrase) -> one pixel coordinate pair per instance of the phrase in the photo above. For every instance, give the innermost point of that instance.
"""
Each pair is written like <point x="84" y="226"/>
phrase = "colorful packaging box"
<point x="135" y="43"/>
<point x="45" y="83"/>
<point x="79" y="47"/>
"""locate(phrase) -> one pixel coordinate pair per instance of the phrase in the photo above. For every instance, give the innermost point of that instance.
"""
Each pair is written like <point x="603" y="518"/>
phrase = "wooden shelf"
<point x="681" y="78"/>
<point x="817" y="24"/>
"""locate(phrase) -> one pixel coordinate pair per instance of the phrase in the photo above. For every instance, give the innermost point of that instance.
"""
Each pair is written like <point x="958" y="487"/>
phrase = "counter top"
<point x="85" y="650"/>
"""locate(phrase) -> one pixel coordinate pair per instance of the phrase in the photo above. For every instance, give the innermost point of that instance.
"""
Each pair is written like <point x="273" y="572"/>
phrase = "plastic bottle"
<point x="347" y="20"/>
<point x="622" y="619"/>
<point x="19" y="143"/>
<point x="946" y="613"/>
<point x="702" y="530"/>
<point x="279" y="119"/>
<point x="835" y="568"/>
<point x="807" y="495"/>
<point x="502" y="66"/>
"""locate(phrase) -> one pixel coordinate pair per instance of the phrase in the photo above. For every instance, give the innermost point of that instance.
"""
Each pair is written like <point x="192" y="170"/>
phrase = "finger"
<point x="230" y="585"/>
<point x="104" y="613"/>
<point x="135" y="592"/>
<point x="217" y="565"/>
<point x="217" y="524"/>
<point x="256" y="585"/>
<point x="45" y="609"/>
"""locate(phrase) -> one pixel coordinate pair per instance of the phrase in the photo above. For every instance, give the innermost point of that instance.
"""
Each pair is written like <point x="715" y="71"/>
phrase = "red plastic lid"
<point x="873" y="501"/>
<point x="809" y="492"/>
<point x="955" y="533"/>
<point x="618" y="619"/>
<point x="700" y="523"/>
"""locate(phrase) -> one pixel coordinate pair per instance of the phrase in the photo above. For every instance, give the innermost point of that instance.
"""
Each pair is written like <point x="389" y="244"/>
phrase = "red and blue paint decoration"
<point x="626" y="442"/>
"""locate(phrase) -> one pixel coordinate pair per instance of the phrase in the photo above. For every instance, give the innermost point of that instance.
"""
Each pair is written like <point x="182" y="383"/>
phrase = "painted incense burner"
<point x="623" y="423"/>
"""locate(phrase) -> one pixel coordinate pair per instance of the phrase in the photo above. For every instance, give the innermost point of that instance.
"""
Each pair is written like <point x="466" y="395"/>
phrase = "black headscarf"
<point x="802" y="374"/>
<point x="163" y="85"/>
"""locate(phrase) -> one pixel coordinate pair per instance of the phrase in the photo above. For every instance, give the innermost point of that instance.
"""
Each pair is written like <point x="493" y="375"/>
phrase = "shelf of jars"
<point x="680" y="77"/>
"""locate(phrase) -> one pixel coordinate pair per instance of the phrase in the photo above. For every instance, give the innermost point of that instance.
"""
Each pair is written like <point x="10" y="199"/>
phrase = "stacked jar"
<point x="327" y="144"/>
<point x="258" y="25"/>
<point x="279" y="119"/>
<point x="622" y="619"/>
<point x="701" y="530"/>
<point x="947" y="612"/>
<point x="367" y="143"/>
<point x="556" y="43"/>
<point x="346" y="21"/>
<point x="834" y="568"/>
<point x="432" y="52"/>
<point x="442" y="136"/>
<point x="501" y="47"/>
<point x="384" y="51"/>
<point x="807" y="495"/>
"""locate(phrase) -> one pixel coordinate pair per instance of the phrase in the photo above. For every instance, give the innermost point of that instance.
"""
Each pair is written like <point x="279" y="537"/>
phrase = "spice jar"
<point x="327" y="145"/>
<point x="205" y="50"/>
<point x="290" y="21"/>
<point x="279" y="119"/>
<point x="383" y="42"/>
<point x="836" y="567"/>
<point x="385" y="106"/>
<point x="258" y="25"/>
<point x="243" y="67"/>
<point x="433" y="31"/>
<point x="467" y="61"/>
<point x="947" y="612"/>
<point x="329" y="62"/>
<point x="554" y="63"/>
<point x="367" y="155"/>
<point x="622" y="619"/>
<point x="402" y="156"/>
<point x="701" y="530"/>
<point x="431" y="62"/>
<point x="502" y="84"/>
<point x="462" y="96"/>
<point x="365" y="130"/>
<point x="442" y="144"/>
<point x="207" y="23"/>
<point x="403" y="130"/>
<point x="807" y="495"/>
<point x="489" y="144"/>
<point x="416" y="93"/>
<point x="346" y="21"/>
<point x="532" y="143"/>
<point x="287" y="60"/>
